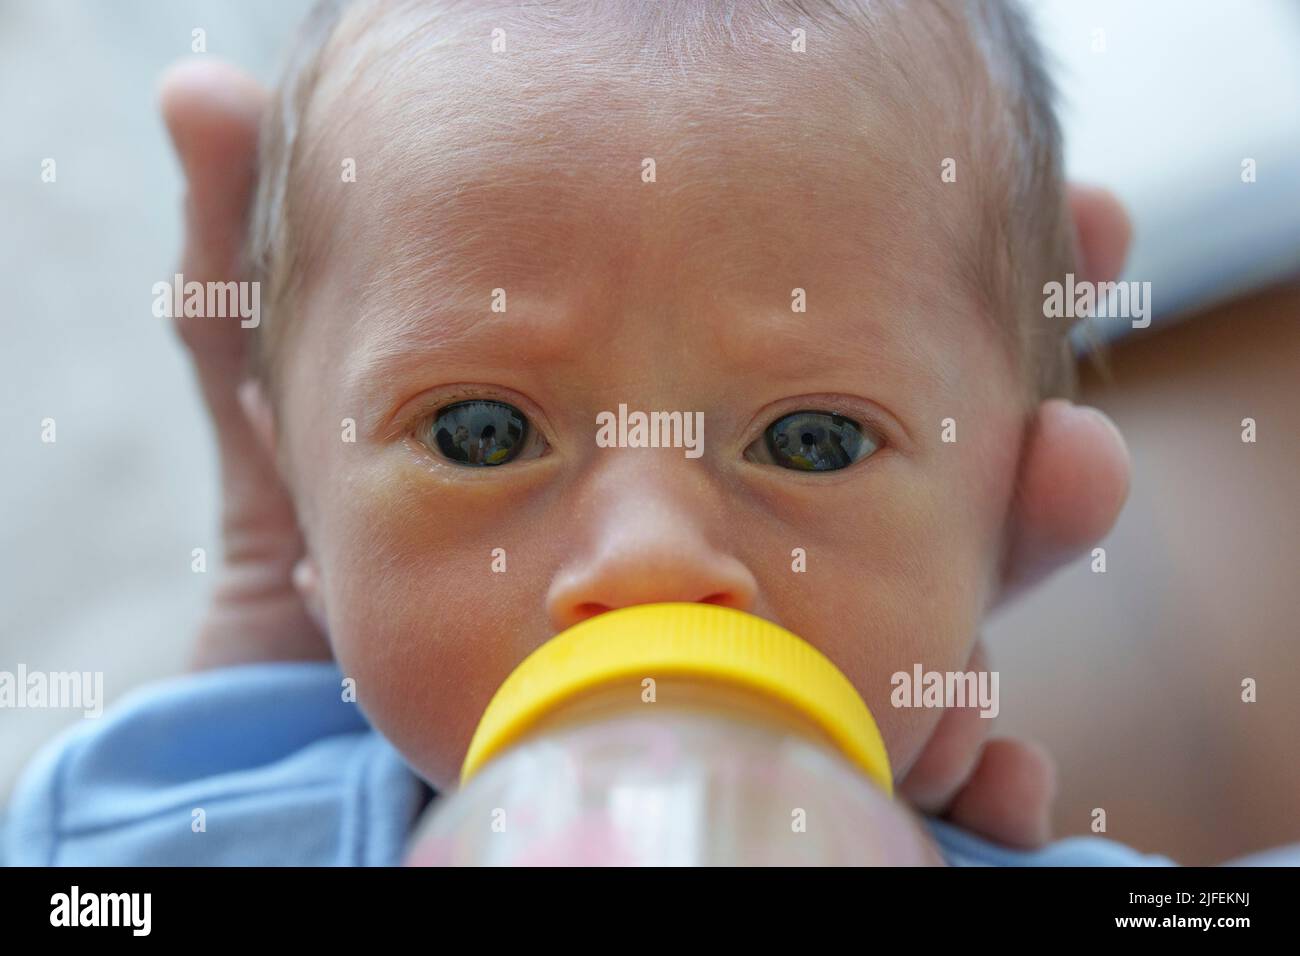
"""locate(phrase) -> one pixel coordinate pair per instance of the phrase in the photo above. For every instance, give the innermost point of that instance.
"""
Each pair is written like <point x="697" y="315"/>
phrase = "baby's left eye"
<point x="813" y="441"/>
<point x="480" y="433"/>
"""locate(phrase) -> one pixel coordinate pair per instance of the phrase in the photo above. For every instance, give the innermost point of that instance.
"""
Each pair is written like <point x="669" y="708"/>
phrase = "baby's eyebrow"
<point x="535" y="333"/>
<point x="397" y="341"/>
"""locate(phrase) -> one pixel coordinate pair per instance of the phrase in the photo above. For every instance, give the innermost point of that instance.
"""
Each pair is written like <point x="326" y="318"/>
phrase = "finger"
<point x="1008" y="798"/>
<point x="1103" y="229"/>
<point x="1073" y="481"/>
<point x="213" y="112"/>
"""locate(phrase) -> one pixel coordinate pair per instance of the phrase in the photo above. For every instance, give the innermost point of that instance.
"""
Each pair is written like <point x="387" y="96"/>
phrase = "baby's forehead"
<point x="473" y="163"/>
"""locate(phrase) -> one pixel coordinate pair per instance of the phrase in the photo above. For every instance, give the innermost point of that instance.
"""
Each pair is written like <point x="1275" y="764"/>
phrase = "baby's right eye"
<point x="480" y="433"/>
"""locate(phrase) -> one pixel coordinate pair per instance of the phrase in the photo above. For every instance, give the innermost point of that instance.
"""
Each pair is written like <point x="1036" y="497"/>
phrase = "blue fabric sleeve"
<point x="285" y="771"/>
<point x="961" y="848"/>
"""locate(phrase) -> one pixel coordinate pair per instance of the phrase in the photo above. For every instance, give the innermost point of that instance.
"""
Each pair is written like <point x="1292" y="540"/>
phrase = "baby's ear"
<point x="261" y="419"/>
<point x="1073" y="479"/>
<point x="306" y="581"/>
<point x="257" y="409"/>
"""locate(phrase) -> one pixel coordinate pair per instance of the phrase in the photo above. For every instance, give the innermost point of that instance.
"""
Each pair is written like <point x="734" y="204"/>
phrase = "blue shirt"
<point x="267" y="765"/>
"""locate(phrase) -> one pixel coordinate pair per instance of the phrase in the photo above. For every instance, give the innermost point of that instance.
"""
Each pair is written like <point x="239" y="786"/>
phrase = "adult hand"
<point x="213" y="112"/>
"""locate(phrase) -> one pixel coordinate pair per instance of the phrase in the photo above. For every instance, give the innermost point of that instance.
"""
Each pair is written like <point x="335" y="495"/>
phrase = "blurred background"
<point x="1132" y="678"/>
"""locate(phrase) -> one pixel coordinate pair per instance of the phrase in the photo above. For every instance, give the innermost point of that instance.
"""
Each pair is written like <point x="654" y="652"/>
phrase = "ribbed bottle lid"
<point x="702" y="641"/>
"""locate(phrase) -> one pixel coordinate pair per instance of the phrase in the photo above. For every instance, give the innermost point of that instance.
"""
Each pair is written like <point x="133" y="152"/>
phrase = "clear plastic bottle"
<point x="673" y="734"/>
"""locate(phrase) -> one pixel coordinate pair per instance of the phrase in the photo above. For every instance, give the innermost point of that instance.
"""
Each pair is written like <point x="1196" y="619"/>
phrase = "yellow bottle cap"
<point x="681" y="640"/>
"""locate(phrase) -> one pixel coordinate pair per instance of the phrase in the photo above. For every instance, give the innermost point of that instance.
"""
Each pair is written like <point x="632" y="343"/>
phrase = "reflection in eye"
<point x="813" y="441"/>
<point x="478" y="433"/>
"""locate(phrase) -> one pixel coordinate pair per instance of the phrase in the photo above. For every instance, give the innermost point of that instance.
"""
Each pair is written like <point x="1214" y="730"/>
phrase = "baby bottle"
<point x="671" y="734"/>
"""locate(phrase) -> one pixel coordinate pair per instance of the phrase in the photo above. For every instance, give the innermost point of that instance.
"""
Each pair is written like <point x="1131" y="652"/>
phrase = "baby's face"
<point x="475" y="174"/>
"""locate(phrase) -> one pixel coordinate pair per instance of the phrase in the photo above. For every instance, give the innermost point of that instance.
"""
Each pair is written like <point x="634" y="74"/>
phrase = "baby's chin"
<point x="437" y="761"/>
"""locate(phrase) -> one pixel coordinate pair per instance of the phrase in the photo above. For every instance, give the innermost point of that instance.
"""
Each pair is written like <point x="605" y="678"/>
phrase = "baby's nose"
<point x="645" y="564"/>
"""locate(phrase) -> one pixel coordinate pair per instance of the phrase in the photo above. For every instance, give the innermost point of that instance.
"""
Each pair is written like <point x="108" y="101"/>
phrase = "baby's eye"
<point x="813" y="441"/>
<point x="480" y="433"/>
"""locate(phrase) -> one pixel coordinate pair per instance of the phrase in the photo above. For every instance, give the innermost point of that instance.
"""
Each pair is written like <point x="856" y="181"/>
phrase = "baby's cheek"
<point x="922" y="570"/>
<point x="956" y="553"/>
<point x="418" y="616"/>
<point x="935" y="628"/>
